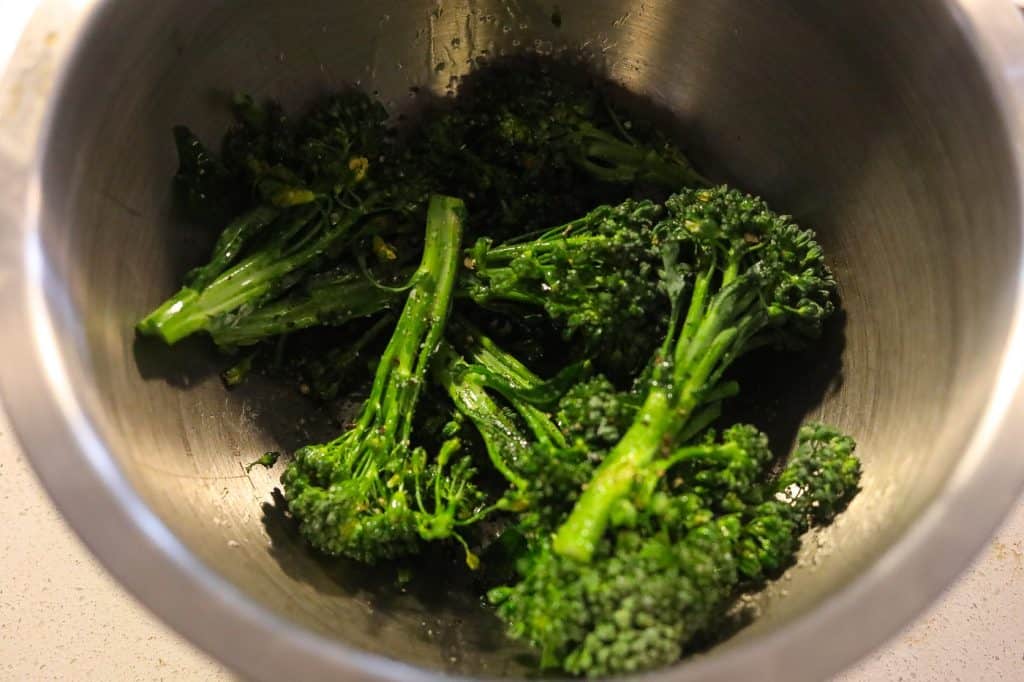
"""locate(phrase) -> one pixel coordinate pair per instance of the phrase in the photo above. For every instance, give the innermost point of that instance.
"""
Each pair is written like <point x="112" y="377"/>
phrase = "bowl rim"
<point x="80" y="474"/>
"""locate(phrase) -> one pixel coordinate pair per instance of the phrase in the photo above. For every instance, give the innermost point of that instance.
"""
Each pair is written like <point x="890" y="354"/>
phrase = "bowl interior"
<point x="907" y="179"/>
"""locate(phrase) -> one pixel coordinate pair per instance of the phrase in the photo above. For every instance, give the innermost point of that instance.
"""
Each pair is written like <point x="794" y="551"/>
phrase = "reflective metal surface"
<point x="894" y="129"/>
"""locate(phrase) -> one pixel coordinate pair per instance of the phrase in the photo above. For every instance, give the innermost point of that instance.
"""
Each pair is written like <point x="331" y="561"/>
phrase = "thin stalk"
<point x="386" y="418"/>
<point x="229" y="245"/>
<point x="505" y="253"/>
<point x="613" y="160"/>
<point x="695" y="312"/>
<point x="502" y="439"/>
<point x="335" y="305"/>
<point x="249" y="281"/>
<point x="577" y="538"/>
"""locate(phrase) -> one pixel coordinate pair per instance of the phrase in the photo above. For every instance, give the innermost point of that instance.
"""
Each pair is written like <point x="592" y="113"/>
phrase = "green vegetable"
<point x="310" y="211"/>
<point x="371" y="494"/>
<point x="596" y="277"/>
<point x="596" y="413"/>
<point x="545" y="401"/>
<point x="205" y="186"/>
<point x="237" y="373"/>
<point x="524" y="445"/>
<point x="739" y="276"/>
<point x="530" y="148"/>
<point x="820" y="479"/>
<point x="670" y="563"/>
<point x="346" y="298"/>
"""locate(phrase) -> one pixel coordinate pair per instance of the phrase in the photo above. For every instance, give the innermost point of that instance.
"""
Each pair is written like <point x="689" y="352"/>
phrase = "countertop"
<point x="63" y="618"/>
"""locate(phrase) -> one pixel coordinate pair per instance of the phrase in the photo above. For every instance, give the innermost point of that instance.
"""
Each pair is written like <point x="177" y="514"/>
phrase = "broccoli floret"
<point x="595" y="412"/>
<point x="820" y="479"/>
<point x="739" y="276"/>
<point x="669" y="563"/>
<point x="370" y="494"/>
<point x="596" y="276"/>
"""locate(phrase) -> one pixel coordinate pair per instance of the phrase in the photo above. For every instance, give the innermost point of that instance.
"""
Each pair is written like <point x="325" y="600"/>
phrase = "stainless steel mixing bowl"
<point x="893" y="128"/>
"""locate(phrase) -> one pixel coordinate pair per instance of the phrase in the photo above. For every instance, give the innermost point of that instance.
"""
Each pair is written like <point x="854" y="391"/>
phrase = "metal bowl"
<point x="894" y="129"/>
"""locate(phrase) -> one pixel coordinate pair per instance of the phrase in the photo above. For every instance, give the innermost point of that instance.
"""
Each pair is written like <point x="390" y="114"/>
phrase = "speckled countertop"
<point x="63" y="618"/>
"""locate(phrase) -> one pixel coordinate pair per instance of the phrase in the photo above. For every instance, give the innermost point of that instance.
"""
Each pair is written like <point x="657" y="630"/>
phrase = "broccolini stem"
<point x="192" y="307"/>
<point x="420" y="328"/>
<point x="560" y="237"/>
<point x="723" y="311"/>
<point x="577" y="538"/>
<point x="229" y="245"/>
<point x="337" y="304"/>
<point x="236" y="374"/>
<point x="506" y="294"/>
<point x="154" y="323"/>
<point x="504" y="373"/>
<point x="253" y="279"/>
<point x="700" y="421"/>
<point x="490" y="367"/>
<point x="610" y="159"/>
<point x="502" y="439"/>
<point x="698" y="301"/>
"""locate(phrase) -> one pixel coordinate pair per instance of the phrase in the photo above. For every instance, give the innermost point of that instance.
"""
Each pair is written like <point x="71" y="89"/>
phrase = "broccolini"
<point x="371" y="494"/>
<point x="546" y="402"/>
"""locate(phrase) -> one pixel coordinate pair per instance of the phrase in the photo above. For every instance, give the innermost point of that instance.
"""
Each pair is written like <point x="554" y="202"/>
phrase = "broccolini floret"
<point x="595" y="412"/>
<point x="595" y="276"/>
<point x="670" y="563"/>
